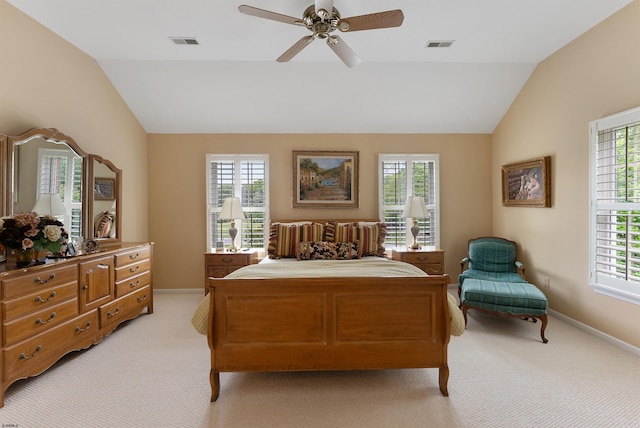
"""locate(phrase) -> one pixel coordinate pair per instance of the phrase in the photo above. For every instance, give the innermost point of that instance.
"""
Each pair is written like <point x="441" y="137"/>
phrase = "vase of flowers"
<point x="30" y="235"/>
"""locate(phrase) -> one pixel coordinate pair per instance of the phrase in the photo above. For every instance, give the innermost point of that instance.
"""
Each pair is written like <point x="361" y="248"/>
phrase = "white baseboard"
<point x="599" y="334"/>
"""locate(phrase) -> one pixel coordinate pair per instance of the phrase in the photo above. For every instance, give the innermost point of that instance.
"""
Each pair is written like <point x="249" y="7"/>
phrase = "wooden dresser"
<point x="70" y="304"/>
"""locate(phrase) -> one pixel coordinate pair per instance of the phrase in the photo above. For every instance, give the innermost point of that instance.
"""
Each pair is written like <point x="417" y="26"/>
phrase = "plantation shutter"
<point x="615" y="205"/>
<point x="244" y="176"/>
<point x="408" y="175"/>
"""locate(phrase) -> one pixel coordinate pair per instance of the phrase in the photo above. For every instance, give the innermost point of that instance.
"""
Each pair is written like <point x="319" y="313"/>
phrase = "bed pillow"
<point x="339" y="232"/>
<point x="284" y="237"/>
<point x="347" y="250"/>
<point x="316" y="250"/>
<point x="371" y="235"/>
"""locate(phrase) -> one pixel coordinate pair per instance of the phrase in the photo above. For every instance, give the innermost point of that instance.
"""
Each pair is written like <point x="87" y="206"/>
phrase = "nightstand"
<point x="219" y="265"/>
<point x="429" y="259"/>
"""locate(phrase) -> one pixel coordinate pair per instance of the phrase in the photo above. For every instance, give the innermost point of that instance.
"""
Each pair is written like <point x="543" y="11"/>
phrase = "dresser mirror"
<point x="47" y="172"/>
<point x="104" y="203"/>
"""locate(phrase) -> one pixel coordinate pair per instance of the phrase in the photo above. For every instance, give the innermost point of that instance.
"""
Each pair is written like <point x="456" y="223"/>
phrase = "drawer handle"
<point x="134" y="256"/>
<point x="24" y="356"/>
<point x="132" y="270"/>
<point x="227" y="260"/>
<point x="40" y="322"/>
<point x="142" y="299"/>
<point x="134" y="284"/>
<point x="422" y="259"/>
<point x="85" y="286"/>
<point x="80" y="329"/>
<point x="37" y="279"/>
<point x="113" y="314"/>
<point x="41" y="300"/>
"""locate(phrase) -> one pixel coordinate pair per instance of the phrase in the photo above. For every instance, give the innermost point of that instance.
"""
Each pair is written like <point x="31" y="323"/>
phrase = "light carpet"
<point x="154" y="372"/>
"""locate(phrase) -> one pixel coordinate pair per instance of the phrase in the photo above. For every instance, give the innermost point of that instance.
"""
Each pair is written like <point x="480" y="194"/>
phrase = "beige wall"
<point x="594" y="76"/>
<point x="177" y="189"/>
<point x="46" y="82"/>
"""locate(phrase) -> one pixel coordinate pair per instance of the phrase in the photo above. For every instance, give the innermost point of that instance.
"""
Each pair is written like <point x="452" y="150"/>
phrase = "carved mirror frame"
<point x="106" y="191"/>
<point x="90" y="163"/>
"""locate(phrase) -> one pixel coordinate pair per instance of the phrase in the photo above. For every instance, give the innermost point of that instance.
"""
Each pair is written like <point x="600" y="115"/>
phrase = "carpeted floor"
<point x="154" y="372"/>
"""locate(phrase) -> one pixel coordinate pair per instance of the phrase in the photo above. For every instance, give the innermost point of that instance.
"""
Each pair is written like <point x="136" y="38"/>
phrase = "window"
<point x="244" y="176"/>
<point x="615" y="205"/>
<point x="406" y="175"/>
<point x="60" y="171"/>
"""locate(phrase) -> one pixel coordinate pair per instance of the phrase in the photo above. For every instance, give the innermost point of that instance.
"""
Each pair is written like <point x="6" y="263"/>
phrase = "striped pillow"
<point x="284" y="237"/>
<point x="371" y="236"/>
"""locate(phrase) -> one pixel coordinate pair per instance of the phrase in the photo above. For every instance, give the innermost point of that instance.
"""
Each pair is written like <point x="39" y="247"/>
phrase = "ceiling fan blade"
<point x="345" y="53"/>
<point x="327" y="6"/>
<point x="295" y="49"/>
<point x="387" y="19"/>
<point x="261" y="13"/>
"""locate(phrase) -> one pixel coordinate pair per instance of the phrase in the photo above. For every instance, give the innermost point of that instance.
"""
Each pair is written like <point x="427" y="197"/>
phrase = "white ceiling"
<point x="231" y="82"/>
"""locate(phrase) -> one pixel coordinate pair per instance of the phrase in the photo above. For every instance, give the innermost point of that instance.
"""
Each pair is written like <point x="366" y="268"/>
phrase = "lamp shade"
<point x="231" y="209"/>
<point x="50" y="203"/>
<point x="415" y="208"/>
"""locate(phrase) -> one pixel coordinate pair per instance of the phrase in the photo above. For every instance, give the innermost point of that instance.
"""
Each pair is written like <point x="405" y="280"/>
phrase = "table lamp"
<point x="231" y="210"/>
<point x="415" y="209"/>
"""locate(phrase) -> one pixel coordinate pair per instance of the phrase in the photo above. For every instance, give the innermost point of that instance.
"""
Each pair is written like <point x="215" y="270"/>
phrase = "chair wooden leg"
<point x="543" y="318"/>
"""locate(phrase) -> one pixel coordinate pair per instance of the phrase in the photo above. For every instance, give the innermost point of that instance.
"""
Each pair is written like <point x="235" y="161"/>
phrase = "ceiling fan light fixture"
<point x="321" y="18"/>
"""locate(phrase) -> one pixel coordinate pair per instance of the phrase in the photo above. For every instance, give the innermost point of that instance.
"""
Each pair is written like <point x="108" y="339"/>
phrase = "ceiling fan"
<point x="322" y="19"/>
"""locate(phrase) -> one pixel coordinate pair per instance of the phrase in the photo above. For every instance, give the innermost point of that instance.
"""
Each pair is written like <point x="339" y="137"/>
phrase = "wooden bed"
<point x="345" y="323"/>
<point x="350" y="315"/>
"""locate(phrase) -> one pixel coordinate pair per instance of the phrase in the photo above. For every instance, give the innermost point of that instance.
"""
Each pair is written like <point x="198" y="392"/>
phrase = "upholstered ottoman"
<point x="514" y="299"/>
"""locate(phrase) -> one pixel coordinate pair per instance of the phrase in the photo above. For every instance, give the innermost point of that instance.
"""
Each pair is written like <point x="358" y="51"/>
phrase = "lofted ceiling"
<point x="231" y="83"/>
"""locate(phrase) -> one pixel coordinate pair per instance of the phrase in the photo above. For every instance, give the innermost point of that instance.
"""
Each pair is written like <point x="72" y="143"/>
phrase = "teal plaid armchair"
<point x="492" y="280"/>
<point x="491" y="259"/>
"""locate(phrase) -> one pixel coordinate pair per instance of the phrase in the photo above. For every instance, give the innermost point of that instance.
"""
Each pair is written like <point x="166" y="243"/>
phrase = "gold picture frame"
<point x="104" y="189"/>
<point x="325" y="179"/>
<point x="527" y="184"/>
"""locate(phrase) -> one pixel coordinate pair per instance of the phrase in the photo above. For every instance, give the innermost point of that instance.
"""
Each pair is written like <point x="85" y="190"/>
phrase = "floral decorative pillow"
<point x="347" y="250"/>
<point x="312" y="250"/>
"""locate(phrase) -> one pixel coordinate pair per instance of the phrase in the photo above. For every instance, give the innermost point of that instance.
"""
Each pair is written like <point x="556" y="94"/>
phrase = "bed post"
<point x="214" y="375"/>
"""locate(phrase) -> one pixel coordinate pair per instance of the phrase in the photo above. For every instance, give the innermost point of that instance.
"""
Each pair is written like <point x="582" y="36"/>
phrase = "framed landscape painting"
<point x="325" y="179"/>
<point x="527" y="184"/>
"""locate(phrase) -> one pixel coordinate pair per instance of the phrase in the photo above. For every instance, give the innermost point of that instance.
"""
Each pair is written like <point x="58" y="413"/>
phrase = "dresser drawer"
<point x="133" y="256"/>
<point x="33" y="356"/>
<point x="14" y="308"/>
<point x="39" y="321"/>
<point x="37" y="281"/>
<point x="133" y="283"/>
<point x="422" y="258"/>
<point x="121" y="309"/>
<point x="131" y="270"/>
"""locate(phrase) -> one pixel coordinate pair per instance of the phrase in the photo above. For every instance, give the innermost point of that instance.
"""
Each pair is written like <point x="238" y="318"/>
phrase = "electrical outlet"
<point x="546" y="283"/>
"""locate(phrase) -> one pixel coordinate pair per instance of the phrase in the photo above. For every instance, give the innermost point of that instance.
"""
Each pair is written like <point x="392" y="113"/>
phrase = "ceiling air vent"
<point x="184" y="40"/>
<point x="439" y="43"/>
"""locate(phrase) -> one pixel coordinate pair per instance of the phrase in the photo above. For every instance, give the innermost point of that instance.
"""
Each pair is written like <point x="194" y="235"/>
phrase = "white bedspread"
<point x="292" y="268"/>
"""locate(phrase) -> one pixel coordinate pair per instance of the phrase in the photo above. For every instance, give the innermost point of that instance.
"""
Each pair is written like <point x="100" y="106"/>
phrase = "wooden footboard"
<point x="328" y="324"/>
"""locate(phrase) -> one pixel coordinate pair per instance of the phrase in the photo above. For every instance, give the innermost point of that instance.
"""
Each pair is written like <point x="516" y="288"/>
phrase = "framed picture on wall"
<point x="527" y="184"/>
<point x="104" y="189"/>
<point x="325" y="179"/>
